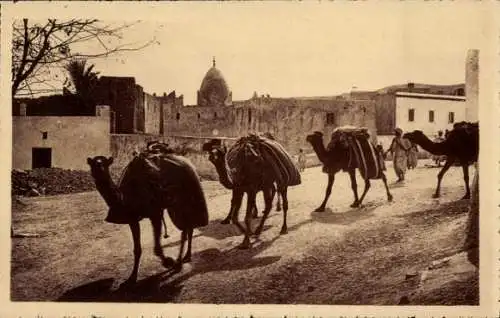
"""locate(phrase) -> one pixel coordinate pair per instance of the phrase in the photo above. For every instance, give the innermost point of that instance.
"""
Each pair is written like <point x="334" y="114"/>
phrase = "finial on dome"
<point x="213" y="61"/>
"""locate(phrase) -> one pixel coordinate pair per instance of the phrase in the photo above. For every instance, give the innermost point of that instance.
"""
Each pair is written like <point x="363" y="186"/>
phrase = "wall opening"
<point x="215" y="115"/>
<point x="451" y="117"/>
<point x="45" y="135"/>
<point x="41" y="158"/>
<point x="249" y="116"/>
<point x="178" y="116"/>
<point x="199" y="116"/>
<point x="431" y="116"/>
<point x="411" y="114"/>
<point x="330" y="118"/>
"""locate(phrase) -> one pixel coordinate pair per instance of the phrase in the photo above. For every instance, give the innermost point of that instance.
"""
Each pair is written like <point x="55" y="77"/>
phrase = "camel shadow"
<point x="348" y="217"/>
<point x="219" y="231"/>
<point x="440" y="212"/>
<point x="167" y="285"/>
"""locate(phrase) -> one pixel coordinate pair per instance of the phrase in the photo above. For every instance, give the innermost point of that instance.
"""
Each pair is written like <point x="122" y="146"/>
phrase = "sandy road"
<point x="341" y="256"/>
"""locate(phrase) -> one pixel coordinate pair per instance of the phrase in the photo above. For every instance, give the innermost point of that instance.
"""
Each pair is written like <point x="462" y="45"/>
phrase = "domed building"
<point x="214" y="90"/>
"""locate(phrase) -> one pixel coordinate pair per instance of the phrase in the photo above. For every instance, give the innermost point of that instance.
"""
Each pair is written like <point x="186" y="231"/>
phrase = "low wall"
<point x="123" y="146"/>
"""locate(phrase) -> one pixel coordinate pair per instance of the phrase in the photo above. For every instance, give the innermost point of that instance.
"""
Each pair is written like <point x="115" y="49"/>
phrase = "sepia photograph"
<point x="249" y="153"/>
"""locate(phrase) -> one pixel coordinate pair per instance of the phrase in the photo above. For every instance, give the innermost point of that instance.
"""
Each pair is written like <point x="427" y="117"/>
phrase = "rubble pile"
<point x="50" y="181"/>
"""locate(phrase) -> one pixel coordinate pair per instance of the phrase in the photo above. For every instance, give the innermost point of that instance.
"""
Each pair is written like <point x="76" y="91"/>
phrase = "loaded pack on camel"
<point x="154" y="180"/>
<point x="349" y="149"/>
<point x="253" y="164"/>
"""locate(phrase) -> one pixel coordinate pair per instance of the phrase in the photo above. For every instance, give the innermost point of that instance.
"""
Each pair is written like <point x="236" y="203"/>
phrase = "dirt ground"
<point x="341" y="256"/>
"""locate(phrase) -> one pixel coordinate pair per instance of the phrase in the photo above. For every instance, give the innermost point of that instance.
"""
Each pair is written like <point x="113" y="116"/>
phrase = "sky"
<point x="298" y="50"/>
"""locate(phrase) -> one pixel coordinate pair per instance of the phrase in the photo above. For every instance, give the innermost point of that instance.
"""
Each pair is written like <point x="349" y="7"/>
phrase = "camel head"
<point x="216" y="155"/>
<point x="414" y="136"/>
<point x="99" y="165"/>
<point x="315" y="138"/>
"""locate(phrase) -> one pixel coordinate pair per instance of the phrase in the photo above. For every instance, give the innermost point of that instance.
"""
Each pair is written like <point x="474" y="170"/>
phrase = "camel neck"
<point x="223" y="172"/>
<point x="108" y="189"/>
<point x="320" y="151"/>
<point x="435" y="148"/>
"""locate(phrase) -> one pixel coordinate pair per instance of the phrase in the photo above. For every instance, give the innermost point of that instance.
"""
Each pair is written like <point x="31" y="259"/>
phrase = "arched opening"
<point x="199" y="116"/>
<point x="178" y="116"/>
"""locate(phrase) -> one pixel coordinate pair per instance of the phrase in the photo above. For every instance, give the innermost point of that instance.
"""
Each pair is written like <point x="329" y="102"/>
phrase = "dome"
<point x="214" y="90"/>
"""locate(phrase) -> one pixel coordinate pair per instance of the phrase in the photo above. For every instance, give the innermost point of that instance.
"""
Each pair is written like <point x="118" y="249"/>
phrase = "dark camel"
<point x="143" y="193"/>
<point x="211" y="145"/>
<point x="334" y="160"/>
<point x="252" y="175"/>
<point x="461" y="145"/>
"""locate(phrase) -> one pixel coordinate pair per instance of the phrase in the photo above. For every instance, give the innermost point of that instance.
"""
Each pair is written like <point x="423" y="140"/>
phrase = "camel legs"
<point x="367" y="187"/>
<point x="228" y="217"/>
<point x="268" y="199"/>
<point x="248" y="219"/>
<point x="447" y="165"/>
<point x="187" y="258"/>
<point x="331" y="179"/>
<point x="164" y="226"/>
<point x="156" y="224"/>
<point x="354" y="187"/>
<point x="136" y="237"/>
<point x="389" y="195"/>
<point x="465" y="168"/>
<point x="278" y="202"/>
<point x="235" y="209"/>
<point x="284" y="227"/>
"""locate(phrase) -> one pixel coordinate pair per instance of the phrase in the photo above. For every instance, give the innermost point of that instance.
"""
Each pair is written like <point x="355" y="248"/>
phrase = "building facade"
<point x="59" y="141"/>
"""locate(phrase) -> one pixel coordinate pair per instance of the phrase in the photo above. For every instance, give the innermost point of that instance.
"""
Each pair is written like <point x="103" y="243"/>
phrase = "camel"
<point x="148" y="186"/>
<point x="250" y="172"/>
<point x="208" y="147"/>
<point x="461" y="145"/>
<point x="339" y="157"/>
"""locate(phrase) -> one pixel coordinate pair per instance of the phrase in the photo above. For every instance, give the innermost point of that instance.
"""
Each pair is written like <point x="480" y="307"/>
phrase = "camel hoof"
<point x="187" y="259"/>
<point x="389" y="198"/>
<point x="166" y="236"/>
<point x="225" y="221"/>
<point x="177" y="268"/>
<point x="168" y="262"/>
<point x="466" y="197"/>
<point x="320" y="209"/>
<point x="278" y="208"/>
<point x="244" y="246"/>
<point x="284" y="231"/>
<point x="435" y="196"/>
<point x="129" y="283"/>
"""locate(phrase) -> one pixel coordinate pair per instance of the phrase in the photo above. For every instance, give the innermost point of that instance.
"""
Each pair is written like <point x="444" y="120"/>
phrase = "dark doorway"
<point x="41" y="158"/>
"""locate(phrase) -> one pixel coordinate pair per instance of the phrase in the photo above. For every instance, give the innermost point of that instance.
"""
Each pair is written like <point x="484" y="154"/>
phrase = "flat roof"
<point x="431" y="96"/>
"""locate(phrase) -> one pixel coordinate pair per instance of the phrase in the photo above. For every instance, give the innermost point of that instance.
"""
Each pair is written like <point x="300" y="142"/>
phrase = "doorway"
<point x="41" y="158"/>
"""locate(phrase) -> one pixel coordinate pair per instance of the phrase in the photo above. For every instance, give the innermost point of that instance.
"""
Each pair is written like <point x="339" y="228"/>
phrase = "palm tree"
<point x="83" y="81"/>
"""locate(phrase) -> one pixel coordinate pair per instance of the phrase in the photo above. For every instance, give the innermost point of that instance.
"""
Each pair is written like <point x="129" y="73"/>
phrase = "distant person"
<point x="302" y="160"/>
<point x="399" y="149"/>
<point x="412" y="156"/>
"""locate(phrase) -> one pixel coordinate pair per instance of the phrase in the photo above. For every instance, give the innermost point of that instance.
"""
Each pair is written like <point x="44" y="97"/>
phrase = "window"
<point x="215" y="115"/>
<point x="431" y="116"/>
<point x="249" y="116"/>
<point x="451" y="117"/>
<point x="178" y="116"/>
<point x="330" y="118"/>
<point x="411" y="114"/>
<point x="44" y="134"/>
<point x="199" y="116"/>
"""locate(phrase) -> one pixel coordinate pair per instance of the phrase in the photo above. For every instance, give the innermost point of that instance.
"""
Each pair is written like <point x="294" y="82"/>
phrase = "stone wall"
<point x="152" y="114"/>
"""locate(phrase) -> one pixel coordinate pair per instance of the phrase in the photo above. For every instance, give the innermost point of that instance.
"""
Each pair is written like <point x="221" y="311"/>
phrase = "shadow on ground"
<point x="165" y="286"/>
<point x="348" y="217"/>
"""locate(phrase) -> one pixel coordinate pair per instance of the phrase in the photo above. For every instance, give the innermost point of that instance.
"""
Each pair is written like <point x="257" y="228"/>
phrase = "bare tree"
<point x="38" y="48"/>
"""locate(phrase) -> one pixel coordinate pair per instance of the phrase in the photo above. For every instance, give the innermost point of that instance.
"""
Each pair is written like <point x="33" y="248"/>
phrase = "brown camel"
<point x="150" y="184"/>
<point x="339" y="157"/>
<point x="462" y="145"/>
<point x="249" y="167"/>
<point x="215" y="143"/>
